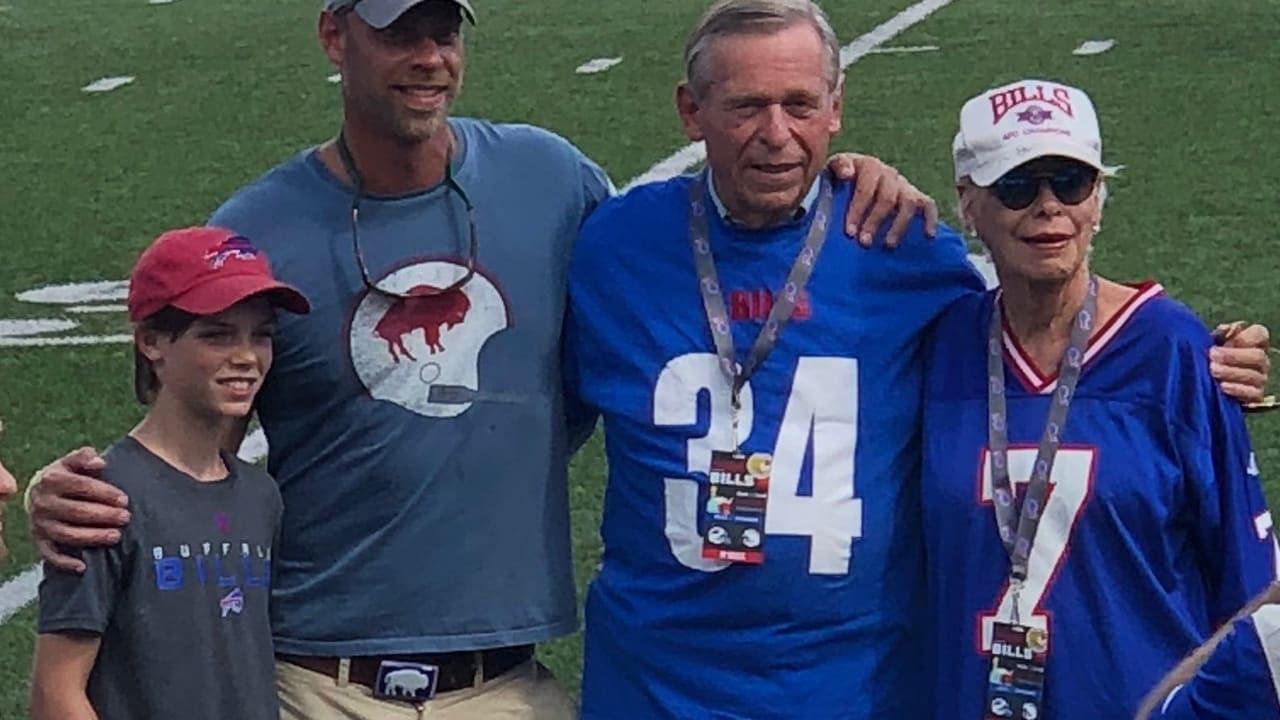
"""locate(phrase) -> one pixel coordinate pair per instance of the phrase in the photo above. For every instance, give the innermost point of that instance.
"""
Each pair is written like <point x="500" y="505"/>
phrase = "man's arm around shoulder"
<point x="70" y="506"/>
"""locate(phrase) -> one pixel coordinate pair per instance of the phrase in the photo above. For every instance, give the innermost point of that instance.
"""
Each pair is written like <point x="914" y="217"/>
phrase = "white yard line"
<point x="694" y="153"/>
<point x="68" y="340"/>
<point x="76" y="293"/>
<point x="254" y="447"/>
<point x="18" y="592"/>
<point x="982" y="262"/>
<point x="82" y="309"/>
<point x="907" y="49"/>
<point x="107" y="84"/>
<point x="598" y="65"/>
<point x="34" y="326"/>
<point x="1094" y="47"/>
<point x="679" y="161"/>
<point x="21" y="590"/>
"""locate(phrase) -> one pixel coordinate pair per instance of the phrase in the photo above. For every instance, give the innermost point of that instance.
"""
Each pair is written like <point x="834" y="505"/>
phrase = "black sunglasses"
<point x="357" y="183"/>
<point x="1072" y="184"/>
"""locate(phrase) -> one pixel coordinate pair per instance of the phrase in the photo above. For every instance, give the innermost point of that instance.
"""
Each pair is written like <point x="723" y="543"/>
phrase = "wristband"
<point x="1266" y="404"/>
<point x="26" y="495"/>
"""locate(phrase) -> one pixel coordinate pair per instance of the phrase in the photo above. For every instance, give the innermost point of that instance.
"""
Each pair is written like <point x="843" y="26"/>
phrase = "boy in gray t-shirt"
<point x="173" y="620"/>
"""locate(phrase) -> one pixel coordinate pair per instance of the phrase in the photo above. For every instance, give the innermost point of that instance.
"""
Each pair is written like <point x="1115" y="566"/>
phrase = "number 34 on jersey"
<point x="821" y="410"/>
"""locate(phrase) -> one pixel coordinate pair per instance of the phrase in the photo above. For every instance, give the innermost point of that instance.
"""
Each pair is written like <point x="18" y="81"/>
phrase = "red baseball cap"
<point x="205" y="270"/>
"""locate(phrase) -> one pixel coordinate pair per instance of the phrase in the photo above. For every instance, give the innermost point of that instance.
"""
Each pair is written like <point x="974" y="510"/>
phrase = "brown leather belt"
<point x="457" y="669"/>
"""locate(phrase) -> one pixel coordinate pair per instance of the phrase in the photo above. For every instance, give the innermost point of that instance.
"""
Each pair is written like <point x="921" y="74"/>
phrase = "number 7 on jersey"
<point x="1070" y="485"/>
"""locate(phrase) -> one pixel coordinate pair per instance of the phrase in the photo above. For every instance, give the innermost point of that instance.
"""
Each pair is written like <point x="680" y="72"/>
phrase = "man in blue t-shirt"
<point x="416" y="418"/>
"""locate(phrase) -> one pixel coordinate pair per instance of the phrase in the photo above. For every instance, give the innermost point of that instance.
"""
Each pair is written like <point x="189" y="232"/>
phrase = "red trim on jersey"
<point x="1040" y="382"/>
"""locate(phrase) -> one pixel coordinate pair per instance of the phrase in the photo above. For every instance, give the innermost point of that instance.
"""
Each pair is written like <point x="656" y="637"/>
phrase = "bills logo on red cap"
<point x="1005" y="100"/>
<point x="235" y="247"/>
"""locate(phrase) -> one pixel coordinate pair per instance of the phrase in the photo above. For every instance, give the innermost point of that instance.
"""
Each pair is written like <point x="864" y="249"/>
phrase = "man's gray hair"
<point x="744" y="17"/>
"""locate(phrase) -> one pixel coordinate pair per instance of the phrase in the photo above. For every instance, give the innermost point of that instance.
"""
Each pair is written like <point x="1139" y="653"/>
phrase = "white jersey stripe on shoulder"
<point x="1045" y="385"/>
<point x="1118" y="322"/>
<point x="1266" y="622"/>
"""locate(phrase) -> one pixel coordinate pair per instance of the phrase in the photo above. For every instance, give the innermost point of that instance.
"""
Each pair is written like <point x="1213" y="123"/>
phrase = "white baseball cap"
<point x="1007" y="126"/>
<point x="381" y="13"/>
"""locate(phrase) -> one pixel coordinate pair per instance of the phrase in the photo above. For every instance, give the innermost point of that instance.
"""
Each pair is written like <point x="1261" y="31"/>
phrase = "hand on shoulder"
<point x="72" y="507"/>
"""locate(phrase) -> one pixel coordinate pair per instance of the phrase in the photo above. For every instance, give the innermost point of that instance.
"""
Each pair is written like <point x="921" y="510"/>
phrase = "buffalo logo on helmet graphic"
<point x="426" y="309"/>
<point x="420" y="347"/>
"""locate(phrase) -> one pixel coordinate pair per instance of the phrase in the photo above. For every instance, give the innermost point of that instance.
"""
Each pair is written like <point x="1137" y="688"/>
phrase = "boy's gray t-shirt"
<point x="181" y="601"/>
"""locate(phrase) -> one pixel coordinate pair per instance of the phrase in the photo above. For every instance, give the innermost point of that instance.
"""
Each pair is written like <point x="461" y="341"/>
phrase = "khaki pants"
<point x="527" y="692"/>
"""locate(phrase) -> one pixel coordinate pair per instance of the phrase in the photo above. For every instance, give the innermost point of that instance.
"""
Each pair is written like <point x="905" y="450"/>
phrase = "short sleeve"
<point x="84" y="603"/>
<point x="596" y="185"/>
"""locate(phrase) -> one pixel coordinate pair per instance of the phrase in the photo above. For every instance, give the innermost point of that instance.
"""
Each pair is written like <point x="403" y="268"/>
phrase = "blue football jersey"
<point x="1241" y="679"/>
<point x="1155" y="530"/>
<point x="828" y="626"/>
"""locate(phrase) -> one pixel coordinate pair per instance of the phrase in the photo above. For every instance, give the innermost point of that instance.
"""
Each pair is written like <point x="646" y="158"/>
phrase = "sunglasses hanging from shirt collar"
<point x="357" y="184"/>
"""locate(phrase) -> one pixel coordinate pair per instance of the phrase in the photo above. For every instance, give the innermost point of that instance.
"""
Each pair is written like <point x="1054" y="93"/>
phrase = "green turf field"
<point x="224" y="90"/>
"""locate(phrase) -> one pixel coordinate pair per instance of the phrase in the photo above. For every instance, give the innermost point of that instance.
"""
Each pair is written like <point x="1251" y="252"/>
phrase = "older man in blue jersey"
<point x="760" y="384"/>
<point x="759" y="380"/>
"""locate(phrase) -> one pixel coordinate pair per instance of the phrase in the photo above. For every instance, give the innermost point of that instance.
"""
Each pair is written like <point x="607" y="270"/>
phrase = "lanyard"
<point x="784" y="301"/>
<point x="1018" y="521"/>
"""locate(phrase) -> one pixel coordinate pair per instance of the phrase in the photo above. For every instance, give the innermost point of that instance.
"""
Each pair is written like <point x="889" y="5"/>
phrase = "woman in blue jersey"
<point x="1235" y="674"/>
<point x="1091" y="503"/>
